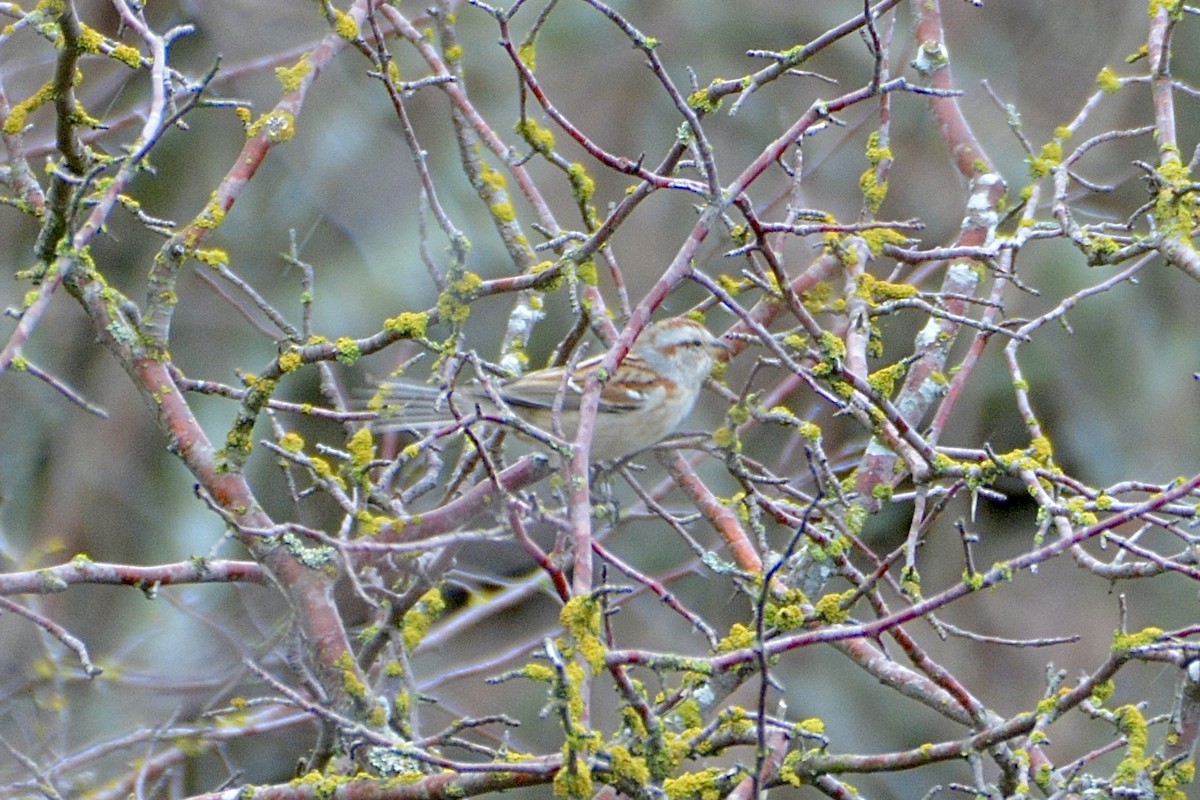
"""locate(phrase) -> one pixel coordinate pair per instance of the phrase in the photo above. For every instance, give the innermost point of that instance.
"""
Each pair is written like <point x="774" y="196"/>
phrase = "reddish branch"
<point x="148" y="579"/>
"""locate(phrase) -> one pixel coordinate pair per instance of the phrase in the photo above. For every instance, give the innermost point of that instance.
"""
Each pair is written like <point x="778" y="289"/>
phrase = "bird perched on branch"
<point x="653" y="389"/>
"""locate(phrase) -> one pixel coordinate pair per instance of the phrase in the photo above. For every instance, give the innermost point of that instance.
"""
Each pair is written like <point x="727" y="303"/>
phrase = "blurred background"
<point x="1115" y="390"/>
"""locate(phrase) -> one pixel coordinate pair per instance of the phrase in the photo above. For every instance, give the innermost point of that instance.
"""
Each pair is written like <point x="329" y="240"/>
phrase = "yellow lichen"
<point x="1101" y="692"/>
<point x="740" y="636"/>
<point x="290" y="361"/>
<point x="353" y="685"/>
<point x="1132" y="723"/>
<point x="627" y="766"/>
<point x="550" y="285"/>
<point x="702" y="785"/>
<point x="420" y="617"/>
<point x="725" y="438"/>
<point x="214" y="257"/>
<point x="830" y="607"/>
<point x="361" y="447"/>
<point x="453" y="304"/>
<point x="973" y="580"/>
<point x="573" y="781"/>
<point x="290" y="77"/>
<point x="1128" y="641"/>
<point x="1108" y="81"/>
<point x="127" y="55"/>
<point x="702" y="99"/>
<point x="90" y="40"/>
<point x="731" y="284"/>
<point x="581" y="618"/>
<point x="784" y="618"/>
<point x="586" y="271"/>
<point x="345" y="25"/>
<point x="372" y="524"/>
<point x="409" y="324"/>
<point x="292" y="442"/>
<point x="1050" y="157"/>
<point x="582" y="185"/>
<point x="527" y="52"/>
<point x="878" y="291"/>
<point x="538" y="672"/>
<point x="539" y="138"/>
<point x="20" y="112"/>
<point x="492" y="178"/>
<point x="277" y="127"/>
<point x="813" y="725"/>
<point x="874" y="191"/>
<point x="883" y="380"/>
<point x="348" y="351"/>
<point x="1041" y="449"/>
<point x="503" y="212"/>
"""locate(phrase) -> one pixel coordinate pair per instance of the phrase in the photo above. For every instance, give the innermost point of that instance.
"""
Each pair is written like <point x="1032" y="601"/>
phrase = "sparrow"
<point x="647" y="397"/>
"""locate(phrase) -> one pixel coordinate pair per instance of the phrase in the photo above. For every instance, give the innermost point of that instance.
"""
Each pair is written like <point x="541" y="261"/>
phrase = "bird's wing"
<point x="537" y="391"/>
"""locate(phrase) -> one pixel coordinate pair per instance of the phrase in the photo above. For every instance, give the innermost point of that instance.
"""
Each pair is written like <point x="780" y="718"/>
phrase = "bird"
<point x="651" y="392"/>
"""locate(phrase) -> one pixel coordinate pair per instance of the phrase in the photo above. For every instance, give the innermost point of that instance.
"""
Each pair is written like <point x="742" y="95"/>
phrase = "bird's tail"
<point x="418" y="406"/>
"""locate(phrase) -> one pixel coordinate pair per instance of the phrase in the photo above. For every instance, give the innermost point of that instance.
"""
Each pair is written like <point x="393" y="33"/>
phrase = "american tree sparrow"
<point x="650" y="393"/>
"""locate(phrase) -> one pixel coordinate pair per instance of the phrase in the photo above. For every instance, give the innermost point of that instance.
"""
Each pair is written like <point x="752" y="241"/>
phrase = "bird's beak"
<point x="721" y="350"/>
